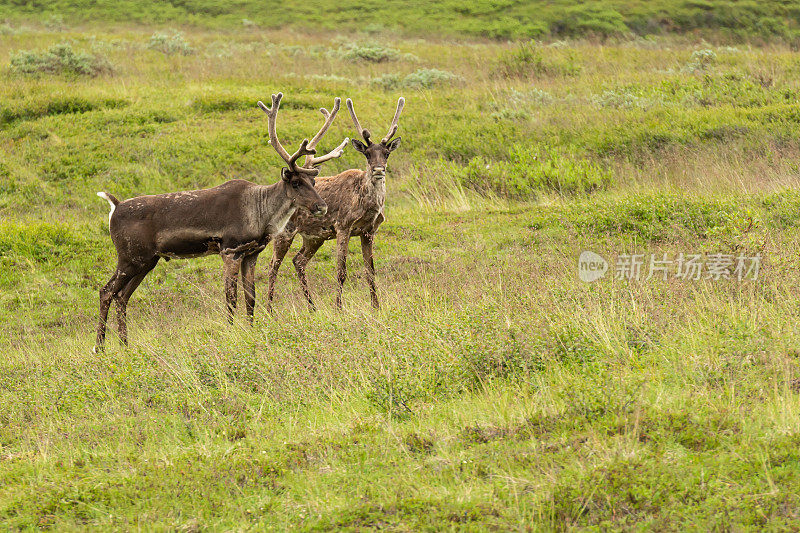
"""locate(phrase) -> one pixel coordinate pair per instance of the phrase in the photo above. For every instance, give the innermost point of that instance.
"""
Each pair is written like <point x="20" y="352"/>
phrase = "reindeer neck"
<point x="373" y="191"/>
<point x="273" y="207"/>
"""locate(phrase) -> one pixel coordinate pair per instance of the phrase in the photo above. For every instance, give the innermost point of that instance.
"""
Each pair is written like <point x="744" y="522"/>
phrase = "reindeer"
<point x="235" y="220"/>
<point x="355" y="201"/>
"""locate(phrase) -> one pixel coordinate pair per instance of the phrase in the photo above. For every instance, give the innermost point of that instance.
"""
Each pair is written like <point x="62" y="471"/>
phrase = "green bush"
<point x="623" y="100"/>
<point x="701" y="60"/>
<point x="531" y="169"/>
<point x="368" y="52"/>
<point x="419" y="79"/>
<point x="586" y="18"/>
<point x="59" y="59"/>
<point x="429" y="77"/>
<point x="519" y="105"/>
<point x="170" y="43"/>
<point x="528" y="60"/>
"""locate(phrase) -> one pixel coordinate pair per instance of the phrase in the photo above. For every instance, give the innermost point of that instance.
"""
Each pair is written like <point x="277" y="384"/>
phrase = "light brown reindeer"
<point x="355" y="201"/>
<point x="236" y="220"/>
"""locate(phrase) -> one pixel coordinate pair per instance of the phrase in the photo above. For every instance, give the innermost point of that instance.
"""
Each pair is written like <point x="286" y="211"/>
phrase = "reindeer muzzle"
<point x="379" y="173"/>
<point x="319" y="210"/>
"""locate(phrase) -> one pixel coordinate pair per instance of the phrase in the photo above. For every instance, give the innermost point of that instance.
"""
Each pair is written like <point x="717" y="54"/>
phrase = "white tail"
<point x="113" y="205"/>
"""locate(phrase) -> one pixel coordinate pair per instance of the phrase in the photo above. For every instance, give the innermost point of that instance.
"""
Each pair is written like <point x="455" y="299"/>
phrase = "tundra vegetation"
<point x="493" y="389"/>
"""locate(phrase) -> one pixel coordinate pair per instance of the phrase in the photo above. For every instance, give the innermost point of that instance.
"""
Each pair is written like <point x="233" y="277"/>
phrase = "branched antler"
<point x="393" y="128"/>
<point x="291" y="160"/>
<point x="361" y="131"/>
<point x="338" y="151"/>
<point x="333" y="154"/>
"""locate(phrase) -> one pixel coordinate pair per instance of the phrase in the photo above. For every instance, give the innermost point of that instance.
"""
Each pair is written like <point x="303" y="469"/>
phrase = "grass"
<point x="493" y="390"/>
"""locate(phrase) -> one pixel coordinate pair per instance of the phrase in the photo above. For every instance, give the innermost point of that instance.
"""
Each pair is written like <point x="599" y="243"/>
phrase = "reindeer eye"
<point x="295" y="185"/>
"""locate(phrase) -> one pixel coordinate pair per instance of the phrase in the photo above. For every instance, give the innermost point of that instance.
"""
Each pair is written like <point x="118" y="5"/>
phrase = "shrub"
<point x="623" y="100"/>
<point x="531" y="169"/>
<point x="519" y="104"/>
<point x="701" y="60"/>
<point x="388" y="82"/>
<point x="59" y="59"/>
<point x="581" y="19"/>
<point x="528" y="59"/>
<point x="534" y="96"/>
<point x="170" y="43"/>
<point x="427" y="78"/>
<point x="54" y="22"/>
<point x="369" y="52"/>
<point x="419" y="79"/>
<point x="8" y="29"/>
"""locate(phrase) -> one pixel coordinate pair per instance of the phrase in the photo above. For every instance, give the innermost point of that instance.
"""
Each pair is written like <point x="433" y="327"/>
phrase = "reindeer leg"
<point x="249" y="284"/>
<point x="310" y="247"/>
<point x="280" y="247"/>
<point x="106" y="295"/>
<point x="231" y="266"/>
<point x="369" y="267"/>
<point x="342" y="240"/>
<point x="120" y="278"/>
<point x="122" y="298"/>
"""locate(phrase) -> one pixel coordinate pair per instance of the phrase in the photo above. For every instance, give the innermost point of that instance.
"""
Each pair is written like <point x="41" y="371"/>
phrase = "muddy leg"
<point x="122" y="298"/>
<point x="280" y="247"/>
<point x="249" y="284"/>
<point x="342" y="240"/>
<point x="107" y="293"/>
<point x="310" y="247"/>
<point x="231" y="266"/>
<point x="369" y="267"/>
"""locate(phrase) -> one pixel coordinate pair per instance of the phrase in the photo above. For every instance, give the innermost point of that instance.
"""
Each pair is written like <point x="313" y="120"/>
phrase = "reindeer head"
<point x="377" y="154"/>
<point x="299" y="180"/>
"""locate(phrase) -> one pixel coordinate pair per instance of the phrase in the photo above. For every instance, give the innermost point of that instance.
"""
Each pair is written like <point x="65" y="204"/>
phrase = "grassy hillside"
<point x="501" y="19"/>
<point x="494" y="390"/>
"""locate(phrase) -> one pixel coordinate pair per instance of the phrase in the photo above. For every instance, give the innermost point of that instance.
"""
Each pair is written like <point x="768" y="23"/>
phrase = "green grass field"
<point x="494" y="390"/>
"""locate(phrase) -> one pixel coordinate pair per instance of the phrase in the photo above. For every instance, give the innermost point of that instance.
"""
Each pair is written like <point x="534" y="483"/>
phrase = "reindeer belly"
<point x="176" y="247"/>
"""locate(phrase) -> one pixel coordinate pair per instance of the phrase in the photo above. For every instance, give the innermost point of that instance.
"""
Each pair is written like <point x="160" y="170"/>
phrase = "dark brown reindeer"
<point x="236" y="220"/>
<point x="355" y="201"/>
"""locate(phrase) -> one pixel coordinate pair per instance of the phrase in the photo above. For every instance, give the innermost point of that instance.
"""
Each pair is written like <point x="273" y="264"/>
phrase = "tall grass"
<point x="493" y="389"/>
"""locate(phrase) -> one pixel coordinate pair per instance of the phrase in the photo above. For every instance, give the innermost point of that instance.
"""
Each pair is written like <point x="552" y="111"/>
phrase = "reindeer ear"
<point x="392" y="146"/>
<point x="286" y="175"/>
<point x="358" y="145"/>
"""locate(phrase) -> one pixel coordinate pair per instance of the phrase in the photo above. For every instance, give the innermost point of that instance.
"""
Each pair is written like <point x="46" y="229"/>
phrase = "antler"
<point x="393" y="128"/>
<point x="338" y="151"/>
<point x="272" y="113"/>
<point x="361" y="131"/>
